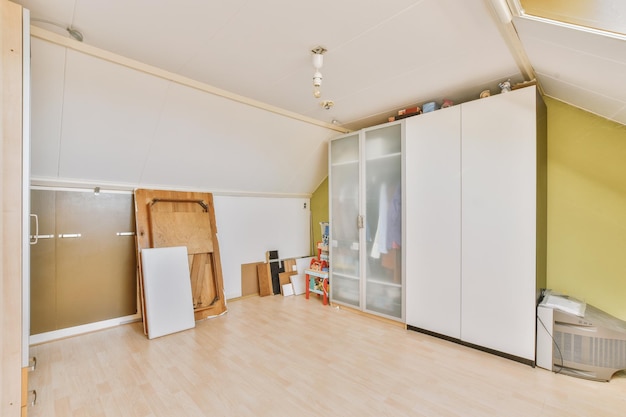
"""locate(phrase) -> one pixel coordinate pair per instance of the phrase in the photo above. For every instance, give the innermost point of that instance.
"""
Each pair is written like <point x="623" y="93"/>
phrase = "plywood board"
<point x="167" y="290"/>
<point x="250" y="279"/>
<point x="265" y="279"/>
<point x="190" y="229"/>
<point x="289" y="265"/>
<point x="284" y="277"/>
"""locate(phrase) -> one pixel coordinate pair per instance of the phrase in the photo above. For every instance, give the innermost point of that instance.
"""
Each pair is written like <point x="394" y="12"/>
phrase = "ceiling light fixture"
<point x="318" y="61"/>
<point x="74" y="33"/>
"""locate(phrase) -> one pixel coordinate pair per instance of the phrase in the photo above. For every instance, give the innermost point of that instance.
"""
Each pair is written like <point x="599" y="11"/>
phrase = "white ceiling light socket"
<point x="318" y="62"/>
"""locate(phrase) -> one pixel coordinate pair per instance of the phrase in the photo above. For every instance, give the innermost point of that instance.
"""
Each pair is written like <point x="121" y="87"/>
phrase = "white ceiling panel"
<point x="48" y="78"/>
<point x="56" y="11"/>
<point x="165" y="34"/>
<point x="109" y="119"/>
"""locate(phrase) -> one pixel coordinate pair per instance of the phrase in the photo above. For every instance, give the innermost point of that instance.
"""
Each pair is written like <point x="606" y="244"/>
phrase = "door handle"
<point x="69" y="235"/>
<point x="125" y="233"/>
<point x="35" y="238"/>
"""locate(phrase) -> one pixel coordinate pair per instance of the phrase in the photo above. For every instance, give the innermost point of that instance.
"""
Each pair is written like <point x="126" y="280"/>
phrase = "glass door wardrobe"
<point x="366" y="221"/>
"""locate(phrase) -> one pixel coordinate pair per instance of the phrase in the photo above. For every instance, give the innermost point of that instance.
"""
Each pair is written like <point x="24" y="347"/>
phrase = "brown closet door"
<point x="96" y="270"/>
<point x="87" y="273"/>
<point x="43" y="263"/>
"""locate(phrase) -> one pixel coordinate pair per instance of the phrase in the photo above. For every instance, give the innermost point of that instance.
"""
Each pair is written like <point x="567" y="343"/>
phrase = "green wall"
<point x="587" y="207"/>
<point x="319" y="213"/>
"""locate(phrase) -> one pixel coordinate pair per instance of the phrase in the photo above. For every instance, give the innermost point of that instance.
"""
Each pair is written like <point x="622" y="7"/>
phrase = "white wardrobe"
<point x="475" y="228"/>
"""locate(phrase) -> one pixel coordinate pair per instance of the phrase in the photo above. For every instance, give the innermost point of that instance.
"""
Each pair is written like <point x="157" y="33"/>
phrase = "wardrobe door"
<point x="43" y="301"/>
<point x="433" y="221"/>
<point x="499" y="222"/>
<point x="383" y="225"/>
<point x="344" y="220"/>
<point x="96" y="269"/>
<point x="83" y="267"/>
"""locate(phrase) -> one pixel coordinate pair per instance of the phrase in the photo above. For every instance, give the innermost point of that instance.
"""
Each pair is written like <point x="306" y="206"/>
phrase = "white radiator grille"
<point x="593" y="351"/>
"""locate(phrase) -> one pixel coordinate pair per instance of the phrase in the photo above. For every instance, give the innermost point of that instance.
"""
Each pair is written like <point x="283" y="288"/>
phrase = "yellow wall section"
<point x="319" y="213"/>
<point x="587" y="207"/>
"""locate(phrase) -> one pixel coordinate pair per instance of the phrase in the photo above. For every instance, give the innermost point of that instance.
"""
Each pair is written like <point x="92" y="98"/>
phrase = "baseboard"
<point x="40" y="338"/>
<point x="525" y="361"/>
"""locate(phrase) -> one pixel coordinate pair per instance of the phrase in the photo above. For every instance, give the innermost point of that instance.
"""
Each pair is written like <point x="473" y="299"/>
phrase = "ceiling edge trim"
<point x="61" y="40"/>
<point x="73" y="184"/>
<point x="503" y="15"/>
<point x="607" y="118"/>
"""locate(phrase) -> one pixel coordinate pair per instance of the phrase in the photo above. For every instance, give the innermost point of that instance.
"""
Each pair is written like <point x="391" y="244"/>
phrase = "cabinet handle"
<point x="69" y="235"/>
<point x="125" y="233"/>
<point x="35" y="238"/>
<point x="360" y="220"/>
<point x="32" y="363"/>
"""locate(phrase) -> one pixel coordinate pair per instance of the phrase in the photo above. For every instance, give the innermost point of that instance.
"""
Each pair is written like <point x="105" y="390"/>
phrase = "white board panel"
<point x="299" y="284"/>
<point x="167" y="290"/>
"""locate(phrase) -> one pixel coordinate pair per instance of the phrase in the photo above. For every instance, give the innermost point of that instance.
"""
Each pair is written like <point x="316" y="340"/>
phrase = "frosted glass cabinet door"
<point x="383" y="225"/>
<point x="344" y="232"/>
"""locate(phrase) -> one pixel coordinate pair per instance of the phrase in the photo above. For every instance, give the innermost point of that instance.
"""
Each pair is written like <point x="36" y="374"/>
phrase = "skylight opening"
<point x="603" y="15"/>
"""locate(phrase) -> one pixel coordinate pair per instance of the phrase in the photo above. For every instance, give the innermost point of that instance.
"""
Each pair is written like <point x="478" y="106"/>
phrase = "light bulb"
<point x="317" y="93"/>
<point x="317" y="79"/>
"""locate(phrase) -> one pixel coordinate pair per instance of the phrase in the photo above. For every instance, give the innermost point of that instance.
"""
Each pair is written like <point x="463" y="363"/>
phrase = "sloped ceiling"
<point x="97" y="121"/>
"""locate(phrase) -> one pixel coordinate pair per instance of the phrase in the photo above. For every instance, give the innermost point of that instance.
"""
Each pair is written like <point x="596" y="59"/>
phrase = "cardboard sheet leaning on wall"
<point x="174" y="218"/>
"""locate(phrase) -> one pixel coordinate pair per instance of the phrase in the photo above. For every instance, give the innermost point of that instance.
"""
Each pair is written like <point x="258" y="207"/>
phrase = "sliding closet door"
<point x="43" y="262"/>
<point x="95" y="264"/>
<point x="83" y="267"/>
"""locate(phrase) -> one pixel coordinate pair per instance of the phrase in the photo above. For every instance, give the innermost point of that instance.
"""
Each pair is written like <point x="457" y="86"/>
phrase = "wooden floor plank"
<point x="288" y="356"/>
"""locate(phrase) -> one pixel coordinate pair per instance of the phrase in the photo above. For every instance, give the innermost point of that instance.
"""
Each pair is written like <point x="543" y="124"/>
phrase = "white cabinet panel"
<point x="433" y="221"/>
<point x="499" y="200"/>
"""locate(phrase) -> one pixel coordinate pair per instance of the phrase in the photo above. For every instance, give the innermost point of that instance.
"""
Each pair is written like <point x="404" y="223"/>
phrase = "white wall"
<point x="247" y="227"/>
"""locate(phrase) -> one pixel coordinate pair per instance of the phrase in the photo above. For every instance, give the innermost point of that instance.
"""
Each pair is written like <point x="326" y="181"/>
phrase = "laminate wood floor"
<point x="288" y="356"/>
